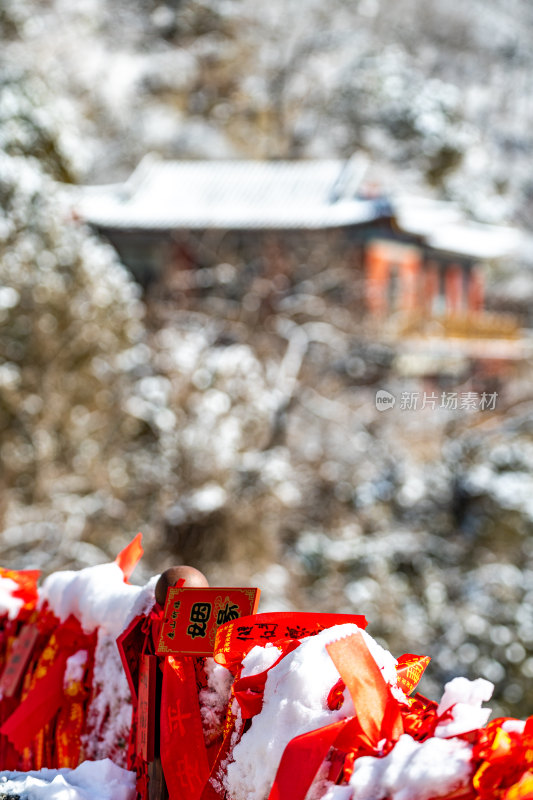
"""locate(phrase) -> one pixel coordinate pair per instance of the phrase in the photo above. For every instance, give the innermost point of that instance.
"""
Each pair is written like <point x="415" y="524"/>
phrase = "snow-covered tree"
<point x="388" y="105"/>
<point x="72" y="345"/>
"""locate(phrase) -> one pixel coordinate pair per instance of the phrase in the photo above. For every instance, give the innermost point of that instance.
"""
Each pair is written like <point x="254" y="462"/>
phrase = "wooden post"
<point x="454" y="289"/>
<point x="410" y="264"/>
<point x="475" y="289"/>
<point x="377" y="276"/>
<point x="431" y="289"/>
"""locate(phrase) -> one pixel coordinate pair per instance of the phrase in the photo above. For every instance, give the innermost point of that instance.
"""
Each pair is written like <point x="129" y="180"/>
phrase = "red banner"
<point x="131" y="645"/>
<point x="70" y="724"/>
<point x="38" y="708"/>
<point x="235" y="639"/>
<point x="302" y="758"/>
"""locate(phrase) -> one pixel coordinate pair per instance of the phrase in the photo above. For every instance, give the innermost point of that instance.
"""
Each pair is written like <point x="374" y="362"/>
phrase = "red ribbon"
<point x="38" y="708"/>
<point x="302" y="758"/>
<point x="504" y="760"/>
<point x="129" y="557"/>
<point x="183" y="751"/>
<point x="47" y="694"/>
<point x="420" y="717"/>
<point x="377" y="710"/>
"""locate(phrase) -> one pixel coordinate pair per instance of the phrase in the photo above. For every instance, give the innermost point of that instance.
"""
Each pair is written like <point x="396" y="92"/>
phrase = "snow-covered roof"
<point x="284" y="195"/>
<point x="232" y="194"/>
<point x="443" y="226"/>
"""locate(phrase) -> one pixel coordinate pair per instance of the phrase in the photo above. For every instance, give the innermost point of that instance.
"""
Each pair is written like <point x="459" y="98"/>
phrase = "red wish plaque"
<point x="145" y="741"/>
<point x="192" y="617"/>
<point x="18" y="660"/>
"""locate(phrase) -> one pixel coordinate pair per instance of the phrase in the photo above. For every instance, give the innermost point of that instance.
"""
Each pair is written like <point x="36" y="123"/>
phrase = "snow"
<point x="110" y="710"/>
<point x="92" y="780"/>
<point x="97" y="596"/>
<point x="463" y="698"/>
<point x="446" y="228"/>
<point x="337" y="793"/>
<point x="294" y="703"/>
<point x="259" y="659"/>
<point x="9" y="604"/>
<point x="226" y="193"/>
<point x="514" y="725"/>
<point x="481" y="241"/>
<point x="75" y="668"/>
<point x="413" y="770"/>
<point x="9" y="297"/>
<point x="109" y="713"/>
<point x="214" y="699"/>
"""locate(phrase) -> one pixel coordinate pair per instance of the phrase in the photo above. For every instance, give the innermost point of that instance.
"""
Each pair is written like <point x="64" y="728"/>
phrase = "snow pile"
<point x="462" y="700"/>
<point x="97" y="596"/>
<point x="413" y="770"/>
<point x="100" y="599"/>
<point x="92" y="780"/>
<point x="438" y="766"/>
<point x="110" y="711"/>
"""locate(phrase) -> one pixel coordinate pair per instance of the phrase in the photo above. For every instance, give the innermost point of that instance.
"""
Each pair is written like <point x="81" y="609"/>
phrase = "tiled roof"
<point x="444" y="227"/>
<point x="282" y="195"/>
<point x="228" y="194"/>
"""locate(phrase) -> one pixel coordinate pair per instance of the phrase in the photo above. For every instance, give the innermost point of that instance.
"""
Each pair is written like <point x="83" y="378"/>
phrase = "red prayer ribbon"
<point x="46" y="696"/>
<point x="183" y="751"/>
<point x="377" y="710"/>
<point x="129" y="557"/>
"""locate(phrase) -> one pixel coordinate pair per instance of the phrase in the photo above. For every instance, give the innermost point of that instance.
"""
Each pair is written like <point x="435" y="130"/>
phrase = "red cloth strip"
<point x="183" y="751"/>
<point x="129" y="557"/>
<point x="38" y="708"/>
<point x="377" y="710"/>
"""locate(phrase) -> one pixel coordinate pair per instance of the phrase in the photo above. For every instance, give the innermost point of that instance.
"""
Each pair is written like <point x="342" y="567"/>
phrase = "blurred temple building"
<point x="416" y="266"/>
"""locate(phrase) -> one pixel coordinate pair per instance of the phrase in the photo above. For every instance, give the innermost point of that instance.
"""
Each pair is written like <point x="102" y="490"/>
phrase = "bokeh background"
<point x="232" y="418"/>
